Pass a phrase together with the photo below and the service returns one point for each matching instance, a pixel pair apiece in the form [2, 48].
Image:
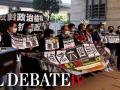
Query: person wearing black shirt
[118, 50]
[6, 37]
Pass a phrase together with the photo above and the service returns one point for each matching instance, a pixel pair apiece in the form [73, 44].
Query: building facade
[96, 11]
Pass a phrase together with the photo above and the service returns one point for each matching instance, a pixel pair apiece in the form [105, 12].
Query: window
[95, 9]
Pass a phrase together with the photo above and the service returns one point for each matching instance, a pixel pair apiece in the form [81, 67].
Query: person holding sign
[111, 46]
[65, 34]
[29, 64]
[118, 50]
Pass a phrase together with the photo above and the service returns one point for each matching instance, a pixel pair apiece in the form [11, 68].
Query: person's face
[111, 28]
[66, 29]
[13, 29]
[102, 27]
[91, 27]
[118, 28]
[83, 27]
[29, 29]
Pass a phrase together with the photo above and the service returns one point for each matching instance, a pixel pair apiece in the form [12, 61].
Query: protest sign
[50, 55]
[51, 43]
[61, 56]
[110, 39]
[69, 43]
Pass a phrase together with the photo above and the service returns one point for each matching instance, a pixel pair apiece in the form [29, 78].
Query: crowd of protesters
[81, 34]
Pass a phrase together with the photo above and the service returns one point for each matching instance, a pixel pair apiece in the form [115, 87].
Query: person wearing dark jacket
[6, 37]
[118, 50]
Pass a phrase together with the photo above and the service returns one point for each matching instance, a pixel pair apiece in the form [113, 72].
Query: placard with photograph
[51, 43]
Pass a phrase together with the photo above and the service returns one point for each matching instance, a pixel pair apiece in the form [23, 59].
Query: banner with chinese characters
[24, 41]
[79, 60]
[36, 19]
[74, 54]
[110, 39]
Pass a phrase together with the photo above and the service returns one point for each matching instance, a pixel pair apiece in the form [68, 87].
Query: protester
[89, 31]
[10, 30]
[65, 34]
[118, 49]
[47, 34]
[118, 30]
[111, 30]
[29, 65]
[97, 33]
[111, 46]
[80, 36]
[72, 27]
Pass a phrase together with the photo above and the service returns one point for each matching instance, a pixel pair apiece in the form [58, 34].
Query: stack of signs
[69, 43]
[51, 43]
[23, 42]
[110, 39]
[50, 55]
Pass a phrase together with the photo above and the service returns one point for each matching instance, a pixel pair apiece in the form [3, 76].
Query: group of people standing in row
[82, 34]
[89, 34]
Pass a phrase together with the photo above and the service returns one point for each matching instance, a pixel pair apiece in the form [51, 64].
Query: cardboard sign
[69, 43]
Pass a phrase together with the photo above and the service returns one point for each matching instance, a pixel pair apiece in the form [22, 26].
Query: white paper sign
[62, 57]
[51, 57]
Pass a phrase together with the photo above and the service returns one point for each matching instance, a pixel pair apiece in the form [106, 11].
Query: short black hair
[71, 25]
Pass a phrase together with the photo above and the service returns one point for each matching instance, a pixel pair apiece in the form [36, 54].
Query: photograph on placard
[34, 41]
